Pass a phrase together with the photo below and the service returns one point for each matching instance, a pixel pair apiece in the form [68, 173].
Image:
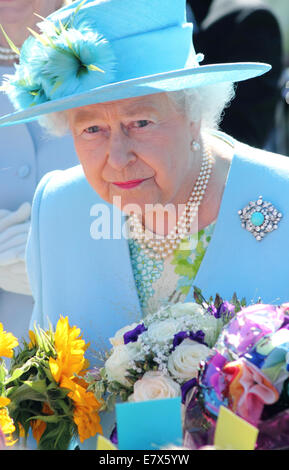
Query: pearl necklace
[7, 54]
[160, 248]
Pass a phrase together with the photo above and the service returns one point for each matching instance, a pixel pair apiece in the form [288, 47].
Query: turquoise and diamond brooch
[260, 218]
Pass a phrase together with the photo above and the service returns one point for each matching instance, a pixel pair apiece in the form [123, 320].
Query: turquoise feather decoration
[59, 62]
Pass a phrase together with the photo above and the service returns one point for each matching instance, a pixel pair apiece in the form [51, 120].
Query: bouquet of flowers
[7, 343]
[247, 372]
[160, 356]
[45, 390]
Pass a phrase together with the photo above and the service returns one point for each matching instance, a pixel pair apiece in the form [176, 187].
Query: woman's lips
[129, 184]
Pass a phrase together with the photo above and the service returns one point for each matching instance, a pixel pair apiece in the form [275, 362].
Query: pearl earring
[195, 146]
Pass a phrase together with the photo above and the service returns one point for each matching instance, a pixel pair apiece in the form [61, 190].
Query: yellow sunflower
[86, 408]
[38, 426]
[33, 341]
[6, 423]
[7, 343]
[70, 349]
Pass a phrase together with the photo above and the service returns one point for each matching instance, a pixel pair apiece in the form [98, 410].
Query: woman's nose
[120, 152]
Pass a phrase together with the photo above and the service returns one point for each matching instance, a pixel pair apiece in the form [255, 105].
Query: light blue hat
[95, 51]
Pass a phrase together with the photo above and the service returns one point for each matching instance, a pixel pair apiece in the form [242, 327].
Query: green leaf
[65, 405]
[23, 393]
[131, 378]
[132, 372]
[110, 402]
[99, 394]
[102, 373]
[57, 437]
[11, 44]
[200, 299]
[45, 339]
[16, 374]
[55, 394]
[65, 433]
[30, 367]
[3, 373]
[39, 386]
[48, 418]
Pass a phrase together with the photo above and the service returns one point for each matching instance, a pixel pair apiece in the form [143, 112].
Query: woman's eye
[92, 129]
[143, 123]
[140, 123]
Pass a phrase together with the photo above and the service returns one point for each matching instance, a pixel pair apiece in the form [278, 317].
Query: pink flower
[249, 390]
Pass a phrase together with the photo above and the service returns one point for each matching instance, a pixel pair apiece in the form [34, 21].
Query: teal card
[149, 425]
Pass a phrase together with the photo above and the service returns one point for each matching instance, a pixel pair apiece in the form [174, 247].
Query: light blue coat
[91, 281]
[26, 154]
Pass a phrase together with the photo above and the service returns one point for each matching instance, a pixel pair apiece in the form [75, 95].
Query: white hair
[206, 103]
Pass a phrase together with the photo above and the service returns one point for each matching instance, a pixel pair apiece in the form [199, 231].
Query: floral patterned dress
[168, 281]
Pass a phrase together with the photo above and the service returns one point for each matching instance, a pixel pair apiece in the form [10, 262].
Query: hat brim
[164, 82]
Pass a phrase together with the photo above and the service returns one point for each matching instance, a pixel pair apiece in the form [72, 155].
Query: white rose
[197, 318]
[118, 337]
[184, 361]
[163, 331]
[187, 308]
[117, 364]
[153, 386]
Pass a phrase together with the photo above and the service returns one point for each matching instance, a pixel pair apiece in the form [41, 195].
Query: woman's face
[22, 11]
[138, 149]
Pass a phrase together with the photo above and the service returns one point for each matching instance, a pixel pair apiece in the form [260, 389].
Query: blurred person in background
[243, 30]
[26, 154]
[281, 136]
[281, 10]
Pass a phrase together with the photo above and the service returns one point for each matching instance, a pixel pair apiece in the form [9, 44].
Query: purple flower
[113, 437]
[285, 323]
[179, 338]
[186, 387]
[226, 310]
[95, 373]
[199, 337]
[132, 335]
[213, 372]
[212, 310]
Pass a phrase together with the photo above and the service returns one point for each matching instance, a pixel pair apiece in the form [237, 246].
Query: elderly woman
[161, 201]
[26, 154]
